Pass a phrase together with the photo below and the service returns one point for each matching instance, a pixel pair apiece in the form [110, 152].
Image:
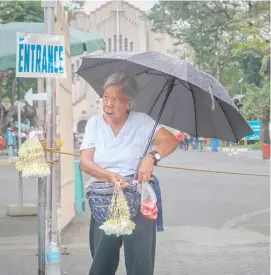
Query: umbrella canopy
[81, 41]
[193, 101]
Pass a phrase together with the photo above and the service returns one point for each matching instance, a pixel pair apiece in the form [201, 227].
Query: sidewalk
[178, 249]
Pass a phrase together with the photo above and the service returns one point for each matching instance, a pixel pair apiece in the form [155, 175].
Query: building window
[125, 44]
[109, 44]
[120, 43]
[73, 75]
[115, 43]
[77, 67]
[77, 64]
[131, 46]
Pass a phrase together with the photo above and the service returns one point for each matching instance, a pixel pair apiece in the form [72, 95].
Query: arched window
[109, 44]
[73, 74]
[131, 46]
[120, 42]
[115, 43]
[77, 64]
[125, 44]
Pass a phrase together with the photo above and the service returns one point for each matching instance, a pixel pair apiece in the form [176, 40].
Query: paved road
[216, 224]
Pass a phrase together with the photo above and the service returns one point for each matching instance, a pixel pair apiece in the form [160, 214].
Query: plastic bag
[148, 207]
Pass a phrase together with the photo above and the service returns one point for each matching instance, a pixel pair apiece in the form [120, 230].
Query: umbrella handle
[169, 90]
[210, 90]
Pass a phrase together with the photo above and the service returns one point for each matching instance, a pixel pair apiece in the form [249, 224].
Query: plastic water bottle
[53, 259]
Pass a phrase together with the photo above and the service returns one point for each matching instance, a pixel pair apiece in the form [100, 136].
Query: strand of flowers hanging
[31, 158]
[119, 220]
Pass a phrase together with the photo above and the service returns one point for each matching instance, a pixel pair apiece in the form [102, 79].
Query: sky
[143, 5]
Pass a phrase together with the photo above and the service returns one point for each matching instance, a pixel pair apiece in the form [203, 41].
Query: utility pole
[41, 192]
[51, 234]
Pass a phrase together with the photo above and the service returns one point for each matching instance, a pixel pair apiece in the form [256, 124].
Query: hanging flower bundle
[31, 158]
[119, 221]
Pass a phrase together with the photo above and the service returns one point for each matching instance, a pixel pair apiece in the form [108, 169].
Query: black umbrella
[172, 92]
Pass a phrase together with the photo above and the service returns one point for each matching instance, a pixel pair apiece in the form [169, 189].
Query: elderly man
[110, 151]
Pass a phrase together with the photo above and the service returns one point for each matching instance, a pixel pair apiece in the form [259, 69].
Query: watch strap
[154, 158]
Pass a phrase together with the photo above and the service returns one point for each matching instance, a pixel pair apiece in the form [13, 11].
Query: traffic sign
[40, 55]
[256, 128]
[30, 97]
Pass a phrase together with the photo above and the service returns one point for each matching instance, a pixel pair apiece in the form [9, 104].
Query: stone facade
[123, 27]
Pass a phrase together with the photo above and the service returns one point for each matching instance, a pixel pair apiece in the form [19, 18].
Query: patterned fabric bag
[99, 195]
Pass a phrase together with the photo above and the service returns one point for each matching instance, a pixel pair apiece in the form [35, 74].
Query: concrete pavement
[215, 224]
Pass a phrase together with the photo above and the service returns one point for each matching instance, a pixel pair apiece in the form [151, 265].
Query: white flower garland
[31, 158]
[119, 221]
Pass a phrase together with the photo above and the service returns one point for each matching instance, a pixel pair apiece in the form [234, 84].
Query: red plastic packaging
[148, 201]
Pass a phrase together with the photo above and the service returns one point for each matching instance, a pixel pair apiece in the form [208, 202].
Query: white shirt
[118, 154]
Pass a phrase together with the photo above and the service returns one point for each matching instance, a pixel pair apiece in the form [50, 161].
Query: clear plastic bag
[148, 206]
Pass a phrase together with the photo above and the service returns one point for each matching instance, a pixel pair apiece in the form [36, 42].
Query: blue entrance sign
[256, 128]
[40, 55]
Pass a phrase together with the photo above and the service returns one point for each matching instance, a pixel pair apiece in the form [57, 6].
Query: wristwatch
[156, 157]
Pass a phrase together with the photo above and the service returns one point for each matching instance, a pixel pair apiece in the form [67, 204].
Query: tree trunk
[265, 135]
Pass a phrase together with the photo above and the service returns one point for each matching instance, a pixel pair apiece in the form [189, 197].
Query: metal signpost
[43, 56]
[19, 126]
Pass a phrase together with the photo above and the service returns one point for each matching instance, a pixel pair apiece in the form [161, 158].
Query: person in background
[196, 144]
[234, 145]
[2, 142]
[10, 140]
[24, 137]
[191, 142]
[180, 137]
[200, 144]
[10, 137]
[186, 141]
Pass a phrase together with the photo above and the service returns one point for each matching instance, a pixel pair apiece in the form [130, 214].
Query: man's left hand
[145, 169]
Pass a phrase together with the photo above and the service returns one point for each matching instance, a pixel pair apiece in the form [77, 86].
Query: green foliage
[231, 40]
[257, 103]
[12, 89]
[250, 65]
[73, 5]
[201, 24]
[21, 11]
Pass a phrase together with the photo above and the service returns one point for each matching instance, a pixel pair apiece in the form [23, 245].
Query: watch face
[157, 156]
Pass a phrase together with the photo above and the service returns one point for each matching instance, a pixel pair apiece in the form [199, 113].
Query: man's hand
[117, 179]
[145, 169]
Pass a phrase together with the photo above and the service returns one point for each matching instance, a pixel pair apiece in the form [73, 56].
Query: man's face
[115, 104]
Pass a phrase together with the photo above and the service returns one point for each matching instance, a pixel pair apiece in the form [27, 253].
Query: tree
[257, 106]
[230, 40]
[255, 51]
[12, 89]
[30, 11]
[201, 24]
[73, 5]
[21, 11]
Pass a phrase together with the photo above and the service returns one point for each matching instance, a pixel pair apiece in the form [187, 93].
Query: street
[215, 224]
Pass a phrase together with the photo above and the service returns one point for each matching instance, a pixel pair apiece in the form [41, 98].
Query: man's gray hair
[128, 85]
